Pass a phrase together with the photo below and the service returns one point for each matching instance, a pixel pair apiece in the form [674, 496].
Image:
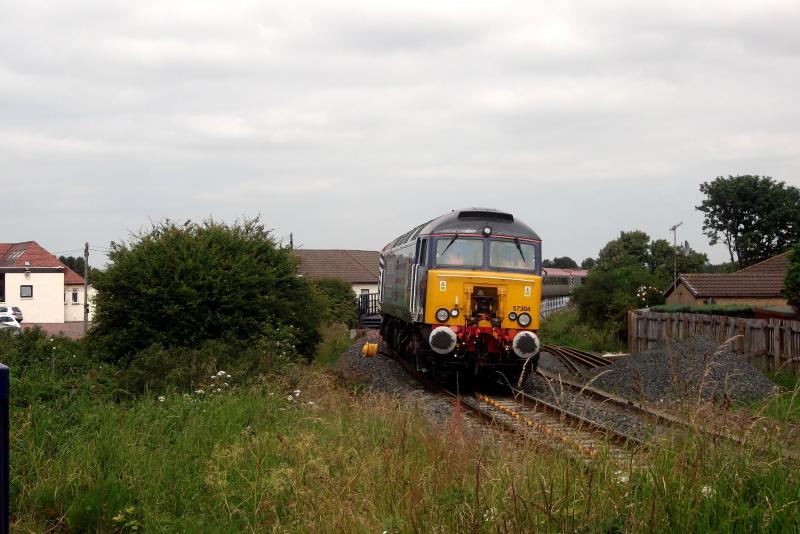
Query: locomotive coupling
[443, 340]
[368, 350]
[526, 344]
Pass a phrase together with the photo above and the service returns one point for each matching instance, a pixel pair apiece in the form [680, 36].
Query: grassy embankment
[566, 328]
[261, 456]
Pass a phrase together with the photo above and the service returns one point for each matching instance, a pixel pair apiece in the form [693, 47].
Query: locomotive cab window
[459, 251]
[507, 254]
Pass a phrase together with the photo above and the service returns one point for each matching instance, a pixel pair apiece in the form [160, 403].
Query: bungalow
[37, 282]
[760, 284]
[359, 268]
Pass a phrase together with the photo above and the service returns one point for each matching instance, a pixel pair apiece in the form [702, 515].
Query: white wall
[74, 311]
[373, 288]
[46, 305]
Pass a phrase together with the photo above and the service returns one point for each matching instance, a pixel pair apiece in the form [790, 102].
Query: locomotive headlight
[487, 230]
[512, 316]
[442, 315]
[454, 312]
[524, 319]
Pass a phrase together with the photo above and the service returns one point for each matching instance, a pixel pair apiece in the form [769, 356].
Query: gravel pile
[606, 414]
[675, 371]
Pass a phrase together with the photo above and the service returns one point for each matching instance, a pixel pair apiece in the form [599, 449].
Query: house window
[26, 292]
[365, 291]
[74, 296]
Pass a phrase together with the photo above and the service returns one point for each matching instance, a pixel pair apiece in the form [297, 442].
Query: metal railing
[368, 304]
[553, 305]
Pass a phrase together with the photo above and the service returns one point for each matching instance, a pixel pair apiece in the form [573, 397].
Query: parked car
[13, 311]
[7, 322]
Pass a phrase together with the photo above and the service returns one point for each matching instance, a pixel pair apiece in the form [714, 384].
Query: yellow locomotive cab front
[498, 298]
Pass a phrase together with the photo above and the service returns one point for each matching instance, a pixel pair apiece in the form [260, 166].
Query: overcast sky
[348, 123]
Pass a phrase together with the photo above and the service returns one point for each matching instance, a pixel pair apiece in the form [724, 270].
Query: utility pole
[674, 230]
[86, 288]
[291, 241]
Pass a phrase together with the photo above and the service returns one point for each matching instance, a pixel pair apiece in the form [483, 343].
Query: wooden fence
[770, 344]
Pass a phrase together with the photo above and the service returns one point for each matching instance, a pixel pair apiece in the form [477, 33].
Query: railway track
[538, 420]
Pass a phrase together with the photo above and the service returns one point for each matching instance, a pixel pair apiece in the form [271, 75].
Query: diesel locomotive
[460, 295]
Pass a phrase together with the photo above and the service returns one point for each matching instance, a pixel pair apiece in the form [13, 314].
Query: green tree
[588, 263]
[663, 254]
[608, 294]
[564, 263]
[630, 248]
[183, 285]
[337, 301]
[792, 283]
[754, 217]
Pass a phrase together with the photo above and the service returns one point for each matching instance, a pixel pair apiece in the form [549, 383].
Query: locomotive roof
[469, 221]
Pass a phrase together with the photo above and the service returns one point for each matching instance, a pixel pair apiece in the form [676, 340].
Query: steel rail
[660, 416]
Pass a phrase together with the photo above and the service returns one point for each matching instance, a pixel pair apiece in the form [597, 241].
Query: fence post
[4, 428]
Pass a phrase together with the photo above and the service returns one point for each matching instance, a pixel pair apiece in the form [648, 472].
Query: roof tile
[353, 266]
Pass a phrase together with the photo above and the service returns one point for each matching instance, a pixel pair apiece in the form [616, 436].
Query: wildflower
[119, 518]
[199, 391]
[129, 509]
[218, 390]
[707, 491]
[213, 377]
[221, 373]
[296, 393]
[622, 478]
[290, 398]
[225, 384]
[161, 398]
[228, 377]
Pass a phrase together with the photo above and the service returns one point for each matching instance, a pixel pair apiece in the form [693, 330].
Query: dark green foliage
[792, 283]
[55, 369]
[755, 217]
[564, 263]
[630, 248]
[608, 294]
[588, 263]
[730, 310]
[337, 301]
[635, 248]
[182, 285]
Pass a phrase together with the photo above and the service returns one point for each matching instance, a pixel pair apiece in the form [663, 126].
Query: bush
[179, 286]
[792, 283]
[337, 301]
[566, 328]
[607, 295]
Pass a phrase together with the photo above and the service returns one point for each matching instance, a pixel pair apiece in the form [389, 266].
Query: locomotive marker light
[442, 315]
[512, 316]
[524, 319]
[454, 312]
[442, 340]
[369, 350]
[526, 344]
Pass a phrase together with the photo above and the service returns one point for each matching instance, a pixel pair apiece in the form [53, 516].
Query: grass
[785, 406]
[253, 460]
[566, 328]
[297, 452]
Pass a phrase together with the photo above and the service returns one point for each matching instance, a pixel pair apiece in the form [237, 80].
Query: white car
[7, 322]
[13, 311]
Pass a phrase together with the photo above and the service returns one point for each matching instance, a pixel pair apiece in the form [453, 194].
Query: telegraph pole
[674, 230]
[85, 287]
[291, 241]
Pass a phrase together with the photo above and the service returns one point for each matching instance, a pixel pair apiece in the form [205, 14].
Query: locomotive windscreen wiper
[450, 243]
[519, 247]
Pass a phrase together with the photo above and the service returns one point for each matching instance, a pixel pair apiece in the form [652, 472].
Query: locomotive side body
[462, 293]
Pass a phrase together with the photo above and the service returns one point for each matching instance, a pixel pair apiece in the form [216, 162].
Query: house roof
[29, 254]
[353, 266]
[760, 280]
[739, 284]
[775, 265]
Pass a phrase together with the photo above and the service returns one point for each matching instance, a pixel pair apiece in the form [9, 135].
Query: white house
[46, 290]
